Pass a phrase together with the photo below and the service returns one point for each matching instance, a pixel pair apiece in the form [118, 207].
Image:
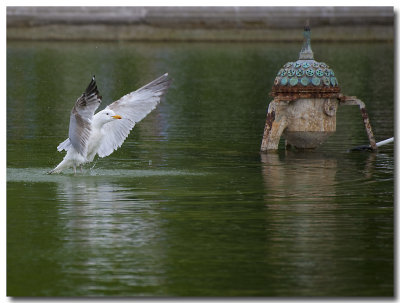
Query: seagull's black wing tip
[92, 87]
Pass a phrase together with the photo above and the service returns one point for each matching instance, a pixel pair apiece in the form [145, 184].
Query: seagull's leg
[74, 170]
[81, 169]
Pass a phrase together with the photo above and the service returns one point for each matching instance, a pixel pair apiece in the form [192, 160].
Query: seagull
[101, 133]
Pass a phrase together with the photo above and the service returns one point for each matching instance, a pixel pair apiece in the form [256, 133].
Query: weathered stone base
[306, 140]
[305, 123]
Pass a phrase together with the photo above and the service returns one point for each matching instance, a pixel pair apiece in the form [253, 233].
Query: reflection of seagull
[105, 131]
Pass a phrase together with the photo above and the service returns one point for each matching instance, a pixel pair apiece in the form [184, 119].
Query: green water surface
[188, 206]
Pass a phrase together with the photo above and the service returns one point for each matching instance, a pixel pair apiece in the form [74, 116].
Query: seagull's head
[108, 115]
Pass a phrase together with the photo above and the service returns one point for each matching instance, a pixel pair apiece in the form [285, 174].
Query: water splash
[35, 175]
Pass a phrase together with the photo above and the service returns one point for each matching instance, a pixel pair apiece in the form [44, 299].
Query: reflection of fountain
[300, 207]
[112, 233]
[322, 227]
[308, 175]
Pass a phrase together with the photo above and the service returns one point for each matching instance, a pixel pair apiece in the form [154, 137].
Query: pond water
[188, 206]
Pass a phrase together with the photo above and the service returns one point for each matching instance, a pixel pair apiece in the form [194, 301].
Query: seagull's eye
[107, 114]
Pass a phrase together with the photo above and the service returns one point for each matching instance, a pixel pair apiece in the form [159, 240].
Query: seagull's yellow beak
[117, 117]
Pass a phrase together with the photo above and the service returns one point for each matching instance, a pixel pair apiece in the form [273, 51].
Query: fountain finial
[306, 52]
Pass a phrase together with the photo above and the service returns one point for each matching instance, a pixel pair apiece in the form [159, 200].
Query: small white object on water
[101, 133]
[387, 141]
[368, 147]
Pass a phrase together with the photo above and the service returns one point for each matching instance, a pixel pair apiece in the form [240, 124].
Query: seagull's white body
[104, 132]
[96, 137]
[73, 158]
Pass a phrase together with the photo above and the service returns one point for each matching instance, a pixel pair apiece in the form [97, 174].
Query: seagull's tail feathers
[71, 159]
[53, 171]
[65, 145]
[59, 168]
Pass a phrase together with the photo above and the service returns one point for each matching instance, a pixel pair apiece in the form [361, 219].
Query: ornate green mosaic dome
[306, 77]
[306, 73]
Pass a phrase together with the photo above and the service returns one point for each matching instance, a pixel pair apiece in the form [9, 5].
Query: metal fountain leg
[351, 100]
[274, 126]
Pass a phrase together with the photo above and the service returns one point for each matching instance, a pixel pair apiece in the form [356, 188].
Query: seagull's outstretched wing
[80, 119]
[132, 108]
